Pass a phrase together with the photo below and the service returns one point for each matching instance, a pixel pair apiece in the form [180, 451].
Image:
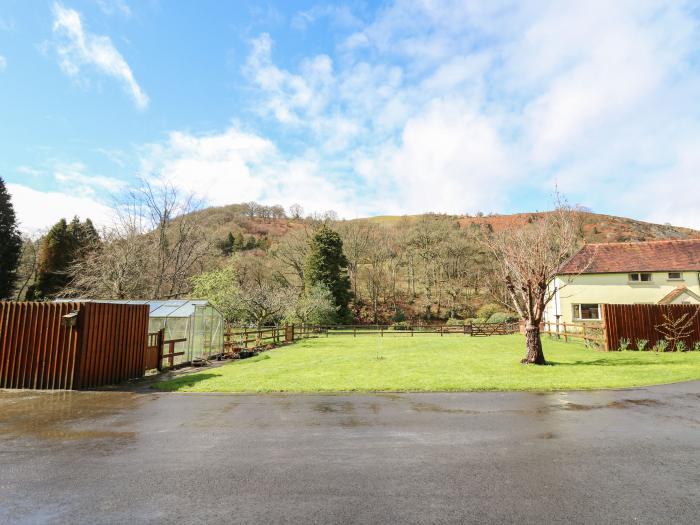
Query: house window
[587, 312]
[640, 277]
[675, 276]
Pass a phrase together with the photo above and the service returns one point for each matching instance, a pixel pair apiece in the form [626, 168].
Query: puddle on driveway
[327, 407]
[64, 416]
[621, 404]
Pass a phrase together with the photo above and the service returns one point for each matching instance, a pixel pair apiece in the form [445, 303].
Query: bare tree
[677, 329]
[296, 212]
[151, 251]
[375, 269]
[262, 296]
[117, 269]
[527, 260]
[28, 264]
[357, 238]
[291, 252]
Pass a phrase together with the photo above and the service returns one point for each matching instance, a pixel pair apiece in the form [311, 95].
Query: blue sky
[362, 107]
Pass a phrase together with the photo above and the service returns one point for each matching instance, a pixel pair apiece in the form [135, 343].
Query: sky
[364, 108]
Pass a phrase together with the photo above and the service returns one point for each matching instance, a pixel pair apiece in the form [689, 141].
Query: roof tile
[651, 256]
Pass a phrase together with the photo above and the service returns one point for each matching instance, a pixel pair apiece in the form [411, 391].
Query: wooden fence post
[606, 346]
[160, 342]
[566, 339]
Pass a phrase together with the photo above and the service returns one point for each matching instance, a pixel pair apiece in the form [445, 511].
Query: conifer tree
[60, 248]
[327, 265]
[10, 244]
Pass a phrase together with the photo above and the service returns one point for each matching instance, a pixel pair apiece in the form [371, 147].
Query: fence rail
[242, 337]
[471, 329]
[592, 334]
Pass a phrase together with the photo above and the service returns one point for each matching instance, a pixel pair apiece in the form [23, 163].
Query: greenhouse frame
[195, 320]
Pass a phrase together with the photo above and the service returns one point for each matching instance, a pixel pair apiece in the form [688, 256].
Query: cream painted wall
[615, 288]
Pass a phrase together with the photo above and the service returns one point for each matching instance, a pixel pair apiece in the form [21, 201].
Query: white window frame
[577, 306]
[679, 278]
[639, 279]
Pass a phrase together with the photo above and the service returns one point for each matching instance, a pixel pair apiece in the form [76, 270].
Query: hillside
[235, 218]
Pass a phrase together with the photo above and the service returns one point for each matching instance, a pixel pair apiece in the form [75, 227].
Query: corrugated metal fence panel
[107, 345]
[640, 321]
[36, 351]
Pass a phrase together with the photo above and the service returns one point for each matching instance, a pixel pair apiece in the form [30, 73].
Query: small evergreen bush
[502, 317]
[401, 325]
[486, 311]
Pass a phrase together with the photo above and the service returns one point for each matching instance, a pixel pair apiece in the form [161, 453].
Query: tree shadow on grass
[180, 383]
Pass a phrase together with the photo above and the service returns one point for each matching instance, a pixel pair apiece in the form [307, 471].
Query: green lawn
[433, 363]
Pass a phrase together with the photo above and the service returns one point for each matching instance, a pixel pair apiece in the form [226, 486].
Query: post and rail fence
[591, 334]
[243, 338]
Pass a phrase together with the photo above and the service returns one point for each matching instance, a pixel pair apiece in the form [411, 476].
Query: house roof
[624, 257]
[676, 293]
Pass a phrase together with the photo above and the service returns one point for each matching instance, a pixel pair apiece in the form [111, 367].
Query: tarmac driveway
[124, 457]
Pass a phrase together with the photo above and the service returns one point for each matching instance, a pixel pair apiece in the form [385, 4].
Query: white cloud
[76, 48]
[450, 105]
[73, 175]
[26, 170]
[237, 166]
[450, 158]
[111, 7]
[340, 15]
[36, 210]
[3, 63]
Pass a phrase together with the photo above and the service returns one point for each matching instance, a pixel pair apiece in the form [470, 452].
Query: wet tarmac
[630, 456]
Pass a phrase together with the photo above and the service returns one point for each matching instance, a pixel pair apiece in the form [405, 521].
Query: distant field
[434, 363]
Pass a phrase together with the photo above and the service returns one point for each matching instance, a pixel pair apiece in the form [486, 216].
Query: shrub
[502, 317]
[681, 346]
[455, 322]
[401, 325]
[624, 343]
[696, 346]
[660, 346]
[399, 315]
[641, 344]
[486, 311]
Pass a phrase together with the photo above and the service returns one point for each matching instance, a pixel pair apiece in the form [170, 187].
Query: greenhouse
[197, 321]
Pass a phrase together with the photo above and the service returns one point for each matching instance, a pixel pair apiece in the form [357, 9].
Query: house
[655, 272]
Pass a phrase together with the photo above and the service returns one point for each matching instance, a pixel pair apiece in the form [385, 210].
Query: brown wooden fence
[71, 345]
[590, 333]
[641, 321]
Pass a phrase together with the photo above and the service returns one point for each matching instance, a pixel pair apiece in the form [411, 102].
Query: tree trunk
[533, 342]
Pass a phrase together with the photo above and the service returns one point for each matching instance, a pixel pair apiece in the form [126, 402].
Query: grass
[434, 363]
